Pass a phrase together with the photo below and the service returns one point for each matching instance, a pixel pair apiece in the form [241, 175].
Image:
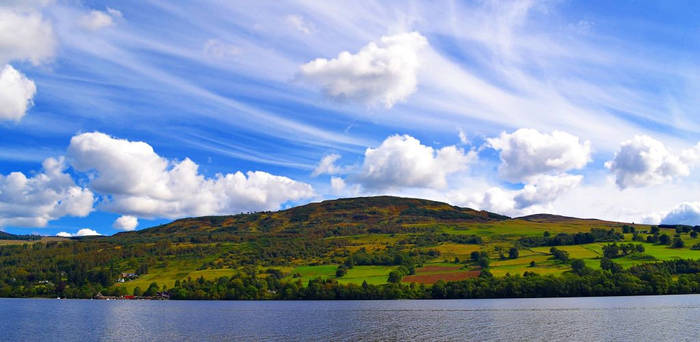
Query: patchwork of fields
[363, 240]
[453, 262]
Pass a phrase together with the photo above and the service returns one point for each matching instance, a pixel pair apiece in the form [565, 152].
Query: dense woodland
[261, 251]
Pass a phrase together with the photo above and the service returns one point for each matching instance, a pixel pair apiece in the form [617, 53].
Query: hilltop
[348, 216]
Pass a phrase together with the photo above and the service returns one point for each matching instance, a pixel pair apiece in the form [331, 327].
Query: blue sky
[154, 110]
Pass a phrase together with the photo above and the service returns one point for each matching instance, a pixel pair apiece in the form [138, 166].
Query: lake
[650, 318]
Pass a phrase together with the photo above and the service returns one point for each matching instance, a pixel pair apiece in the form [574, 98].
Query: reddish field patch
[427, 269]
[432, 278]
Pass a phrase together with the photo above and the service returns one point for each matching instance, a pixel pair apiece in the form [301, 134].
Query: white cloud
[545, 189]
[327, 165]
[645, 161]
[87, 232]
[383, 72]
[126, 223]
[402, 161]
[493, 199]
[97, 20]
[462, 137]
[34, 201]
[337, 185]
[536, 196]
[80, 233]
[139, 182]
[298, 23]
[685, 213]
[526, 153]
[25, 35]
[16, 94]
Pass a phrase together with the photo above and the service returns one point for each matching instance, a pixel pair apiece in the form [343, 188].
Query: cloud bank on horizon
[119, 116]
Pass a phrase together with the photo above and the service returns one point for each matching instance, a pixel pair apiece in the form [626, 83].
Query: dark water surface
[649, 318]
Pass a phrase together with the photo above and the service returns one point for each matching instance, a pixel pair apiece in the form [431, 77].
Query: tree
[609, 265]
[559, 254]
[475, 256]
[611, 251]
[484, 262]
[693, 234]
[395, 277]
[513, 253]
[532, 263]
[143, 269]
[341, 271]
[152, 290]
[677, 243]
[137, 291]
[664, 239]
[578, 266]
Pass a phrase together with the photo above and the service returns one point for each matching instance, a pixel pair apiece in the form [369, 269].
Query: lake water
[649, 318]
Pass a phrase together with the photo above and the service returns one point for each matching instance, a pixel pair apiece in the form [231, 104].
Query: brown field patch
[432, 278]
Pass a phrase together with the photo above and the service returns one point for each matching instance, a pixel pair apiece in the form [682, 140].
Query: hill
[369, 245]
[349, 216]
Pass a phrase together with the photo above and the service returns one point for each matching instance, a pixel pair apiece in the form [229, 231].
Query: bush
[677, 243]
[513, 253]
[341, 271]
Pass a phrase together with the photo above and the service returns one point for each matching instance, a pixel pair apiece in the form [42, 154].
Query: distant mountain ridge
[550, 218]
[8, 236]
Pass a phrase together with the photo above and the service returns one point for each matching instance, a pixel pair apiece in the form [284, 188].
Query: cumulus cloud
[402, 161]
[644, 161]
[96, 20]
[25, 35]
[493, 199]
[80, 233]
[299, 23]
[16, 94]
[126, 223]
[526, 153]
[327, 166]
[382, 72]
[139, 182]
[685, 213]
[34, 201]
[537, 195]
[545, 189]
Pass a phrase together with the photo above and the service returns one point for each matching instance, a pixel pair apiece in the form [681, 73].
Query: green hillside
[372, 243]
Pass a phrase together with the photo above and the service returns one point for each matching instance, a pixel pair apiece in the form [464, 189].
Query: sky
[121, 115]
